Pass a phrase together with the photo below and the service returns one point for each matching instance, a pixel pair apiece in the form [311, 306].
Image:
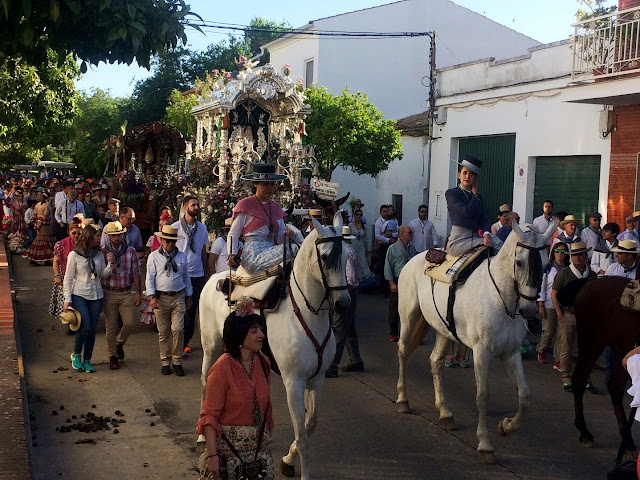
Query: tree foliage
[595, 8]
[179, 113]
[99, 116]
[93, 30]
[37, 106]
[350, 132]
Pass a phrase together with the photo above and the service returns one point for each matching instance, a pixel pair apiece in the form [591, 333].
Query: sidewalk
[14, 453]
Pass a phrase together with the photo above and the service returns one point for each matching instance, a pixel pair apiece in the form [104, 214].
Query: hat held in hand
[71, 317]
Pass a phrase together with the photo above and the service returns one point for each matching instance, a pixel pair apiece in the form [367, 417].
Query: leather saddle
[266, 288]
[456, 269]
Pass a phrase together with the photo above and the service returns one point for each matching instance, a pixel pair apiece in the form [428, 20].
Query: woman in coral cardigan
[237, 399]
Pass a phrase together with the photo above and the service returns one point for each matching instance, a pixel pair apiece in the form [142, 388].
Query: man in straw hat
[467, 211]
[316, 213]
[260, 221]
[117, 292]
[344, 324]
[569, 227]
[632, 224]
[193, 240]
[169, 286]
[566, 315]
[627, 255]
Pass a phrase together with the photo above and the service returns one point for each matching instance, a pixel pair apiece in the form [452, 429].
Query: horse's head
[329, 263]
[529, 252]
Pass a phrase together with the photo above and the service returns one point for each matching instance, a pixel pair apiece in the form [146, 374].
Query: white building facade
[394, 74]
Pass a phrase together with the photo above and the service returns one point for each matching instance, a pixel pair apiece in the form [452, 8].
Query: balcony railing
[607, 46]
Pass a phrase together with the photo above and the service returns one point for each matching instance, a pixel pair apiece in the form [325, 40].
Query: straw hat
[168, 233]
[87, 221]
[72, 318]
[111, 201]
[115, 228]
[635, 215]
[578, 247]
[228, 222]
[318, 213]
[346, 233]
[568, 219]
[626, 246]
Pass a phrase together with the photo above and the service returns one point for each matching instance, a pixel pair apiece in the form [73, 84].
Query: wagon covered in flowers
[245, 118]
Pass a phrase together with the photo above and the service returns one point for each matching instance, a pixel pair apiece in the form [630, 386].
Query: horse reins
[516, 288]
[327, 290]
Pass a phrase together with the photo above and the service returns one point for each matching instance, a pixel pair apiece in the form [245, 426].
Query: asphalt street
[360, 435]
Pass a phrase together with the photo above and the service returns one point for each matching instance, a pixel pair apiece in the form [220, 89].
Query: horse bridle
[516, 288]
[327, 288]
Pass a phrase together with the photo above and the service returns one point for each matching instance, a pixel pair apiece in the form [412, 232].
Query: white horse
[318, 281]
[484, 311]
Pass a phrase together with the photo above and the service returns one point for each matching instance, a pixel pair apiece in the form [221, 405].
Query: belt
[170, 294]
[117, 289]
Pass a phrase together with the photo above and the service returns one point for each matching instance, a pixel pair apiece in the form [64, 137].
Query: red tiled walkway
[14, 454]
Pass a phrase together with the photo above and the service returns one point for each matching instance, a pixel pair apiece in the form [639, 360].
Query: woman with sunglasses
[559, 260]
[61, 251]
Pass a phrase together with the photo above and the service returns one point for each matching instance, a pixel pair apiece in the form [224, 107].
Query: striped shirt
[122, 276]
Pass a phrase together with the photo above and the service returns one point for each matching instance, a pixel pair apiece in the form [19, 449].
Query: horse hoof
[403, 407]
[287, 470]
[201, 444]
[503, 427]
[447, 423]
[587, 442]
[487, 458]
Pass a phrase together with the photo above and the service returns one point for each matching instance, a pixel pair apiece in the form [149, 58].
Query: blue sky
[544, 20]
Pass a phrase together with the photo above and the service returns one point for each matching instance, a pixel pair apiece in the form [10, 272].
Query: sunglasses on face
[170, 241]
[558, 250]
[422, 211]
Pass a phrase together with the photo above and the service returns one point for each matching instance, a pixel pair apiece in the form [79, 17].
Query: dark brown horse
[600, 322]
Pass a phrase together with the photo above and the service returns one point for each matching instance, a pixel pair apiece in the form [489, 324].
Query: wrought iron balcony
[607, 46]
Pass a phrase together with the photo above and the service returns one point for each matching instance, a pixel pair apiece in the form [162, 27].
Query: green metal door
[497, 153]
[571, 183]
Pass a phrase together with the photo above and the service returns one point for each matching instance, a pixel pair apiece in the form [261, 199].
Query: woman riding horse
[467, 212]
[260, 221]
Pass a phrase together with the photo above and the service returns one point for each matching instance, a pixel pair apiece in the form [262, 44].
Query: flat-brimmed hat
[318, 213]
[87, 221]
[264, 172]
[71, 317]
[358, 202]
[578, 247]
[168, 233]
[472, 163]
[228, 222]
[568, 219]
[635, 215]
[115, 228]
[626, 246]
[346, 233]
[111, 201]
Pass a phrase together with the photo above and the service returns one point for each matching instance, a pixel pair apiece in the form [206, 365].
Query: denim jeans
[31, 236]
[86, 334]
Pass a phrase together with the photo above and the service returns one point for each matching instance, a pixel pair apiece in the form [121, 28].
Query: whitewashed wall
[536, 111]
[392, 72]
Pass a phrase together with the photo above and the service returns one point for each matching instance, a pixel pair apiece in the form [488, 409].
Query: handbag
[255, 469]
[435, 255]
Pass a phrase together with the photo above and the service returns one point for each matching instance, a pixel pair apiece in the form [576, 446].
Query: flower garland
[219, 202]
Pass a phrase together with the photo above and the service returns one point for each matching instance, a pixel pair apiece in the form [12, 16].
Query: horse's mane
[533, 269]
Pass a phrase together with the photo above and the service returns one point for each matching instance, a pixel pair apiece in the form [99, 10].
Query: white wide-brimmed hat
[346, 233]
[472, 163]
[626, 246]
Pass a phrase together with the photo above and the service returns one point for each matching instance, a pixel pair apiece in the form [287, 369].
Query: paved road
[359, 436]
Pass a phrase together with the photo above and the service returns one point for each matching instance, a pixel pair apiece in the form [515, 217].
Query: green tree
[595, 8]
[179, 113]
[350, 132]
[92, 30]
[99, 116]
[37, 106]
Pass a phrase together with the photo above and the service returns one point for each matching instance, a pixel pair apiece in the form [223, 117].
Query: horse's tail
[420, 329]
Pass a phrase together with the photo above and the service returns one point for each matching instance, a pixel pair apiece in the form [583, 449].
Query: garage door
[572, 183]
[497, 153]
